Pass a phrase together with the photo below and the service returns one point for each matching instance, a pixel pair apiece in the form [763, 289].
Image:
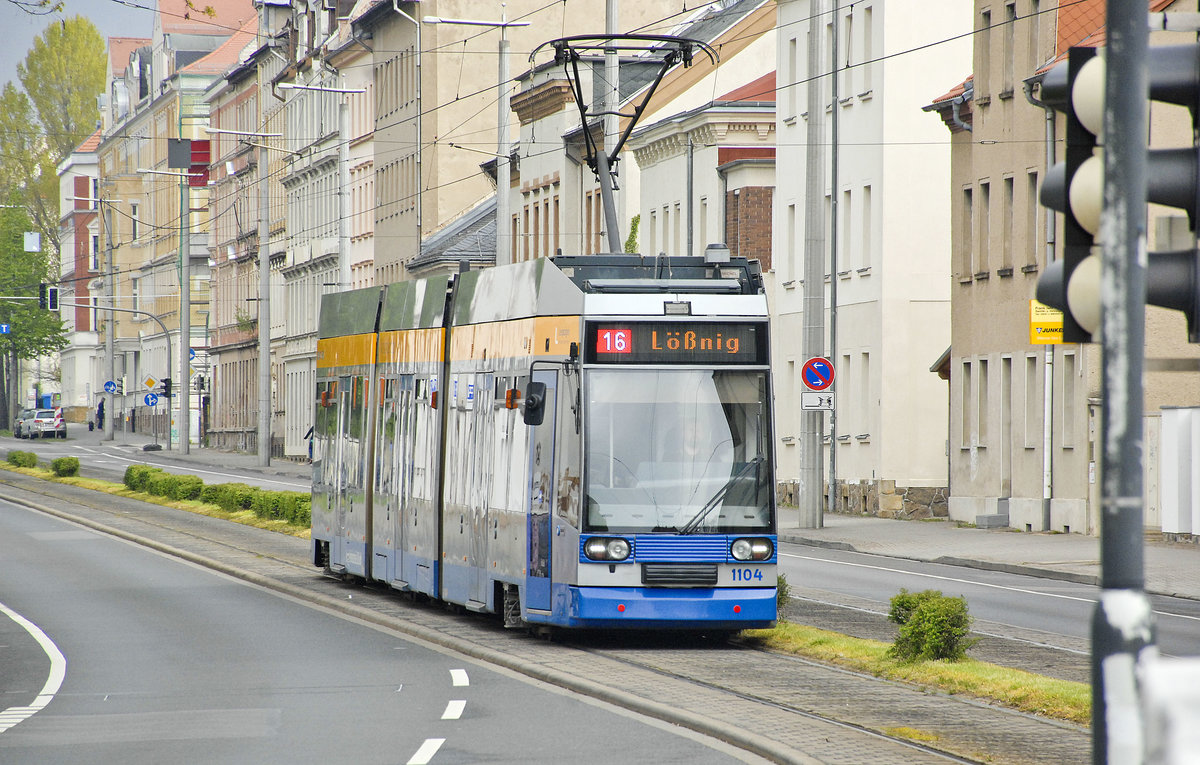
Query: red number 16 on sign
[614, 341]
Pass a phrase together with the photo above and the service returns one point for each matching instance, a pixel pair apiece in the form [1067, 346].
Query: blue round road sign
[110, 387]
[151, 399]
[817, 373]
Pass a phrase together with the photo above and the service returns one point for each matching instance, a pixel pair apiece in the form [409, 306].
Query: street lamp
[264, 295]
[503, 147]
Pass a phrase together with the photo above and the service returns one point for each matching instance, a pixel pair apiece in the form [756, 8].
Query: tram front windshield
[686, 451]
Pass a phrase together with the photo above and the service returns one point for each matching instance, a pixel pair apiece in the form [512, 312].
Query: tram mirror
[535, 403]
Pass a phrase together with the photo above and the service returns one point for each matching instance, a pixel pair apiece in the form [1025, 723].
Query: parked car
[48, 423]
[24, 423]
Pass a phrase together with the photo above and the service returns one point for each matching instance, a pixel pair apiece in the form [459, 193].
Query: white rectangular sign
[810, 400]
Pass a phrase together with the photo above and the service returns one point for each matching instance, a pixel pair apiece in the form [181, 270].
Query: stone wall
[883, 499]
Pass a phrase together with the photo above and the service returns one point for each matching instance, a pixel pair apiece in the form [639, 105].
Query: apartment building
[893, 245]
[1024, 418]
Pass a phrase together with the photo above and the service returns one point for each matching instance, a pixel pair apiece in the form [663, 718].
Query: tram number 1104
[747, 575]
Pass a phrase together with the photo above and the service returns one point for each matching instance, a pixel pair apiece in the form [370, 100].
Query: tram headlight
[751, 548]
[606, 548]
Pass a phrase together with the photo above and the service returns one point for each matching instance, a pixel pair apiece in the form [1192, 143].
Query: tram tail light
[607, 548]
[751, 548]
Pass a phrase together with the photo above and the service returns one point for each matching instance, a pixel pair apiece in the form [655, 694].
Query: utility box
[1180, 470]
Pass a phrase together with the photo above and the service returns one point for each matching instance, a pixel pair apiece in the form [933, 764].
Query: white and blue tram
[579, 442]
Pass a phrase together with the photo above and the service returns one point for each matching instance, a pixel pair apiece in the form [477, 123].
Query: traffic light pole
[1122, 623]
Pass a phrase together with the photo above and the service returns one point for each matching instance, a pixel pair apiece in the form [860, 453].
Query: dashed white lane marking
[458, 678]
[454, 709]
[427, 751]
[58, 671]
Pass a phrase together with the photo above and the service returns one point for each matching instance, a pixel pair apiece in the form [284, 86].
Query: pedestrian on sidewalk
[100, 414]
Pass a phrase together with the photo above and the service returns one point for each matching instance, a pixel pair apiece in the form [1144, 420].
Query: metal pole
[185, 323]
[110, 412]
[833, 252]
[503, 149]
[1122, 623]
[343, 192]
[264, 312]
[612, 129]
[813, 338]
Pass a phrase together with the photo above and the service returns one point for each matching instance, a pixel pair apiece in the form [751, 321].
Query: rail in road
[782, 708]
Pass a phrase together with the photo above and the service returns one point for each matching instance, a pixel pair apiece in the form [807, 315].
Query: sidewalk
[1171, 568]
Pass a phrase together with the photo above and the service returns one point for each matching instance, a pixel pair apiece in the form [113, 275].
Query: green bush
[162, 484]
[188, 487]
[65, 466]
[932, 626]
[22, 459]
[136, 476]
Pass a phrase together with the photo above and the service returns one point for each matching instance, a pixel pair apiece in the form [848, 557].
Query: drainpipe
[1048, 366]
[956, 107]
[420, 119]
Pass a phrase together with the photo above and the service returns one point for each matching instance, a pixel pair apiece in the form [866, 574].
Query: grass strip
[1014, 688]
[245, 517]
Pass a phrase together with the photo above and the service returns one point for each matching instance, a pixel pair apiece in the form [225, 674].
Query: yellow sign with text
[1045, 324]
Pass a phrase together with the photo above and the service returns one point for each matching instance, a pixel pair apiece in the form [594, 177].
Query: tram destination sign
[675, 342]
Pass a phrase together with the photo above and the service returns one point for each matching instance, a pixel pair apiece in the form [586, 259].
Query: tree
[62, 75]
[33, 331]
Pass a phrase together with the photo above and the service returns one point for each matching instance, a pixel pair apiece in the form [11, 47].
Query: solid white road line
[58, 671]
[956, 580]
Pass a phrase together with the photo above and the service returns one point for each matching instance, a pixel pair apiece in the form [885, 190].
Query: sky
[127, 18]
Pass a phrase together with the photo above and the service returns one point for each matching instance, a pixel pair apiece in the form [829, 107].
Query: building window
[1033, 408]
[1008, 224]
[865, 239]
[1010, 44]
[1033, 218]
[868, 51]
[1068, 403]
[964, 413]
[982, 424]
[790, 244]
[984, 50]
[984, 228]
[966, 237]
[133, 221]
[94, 263]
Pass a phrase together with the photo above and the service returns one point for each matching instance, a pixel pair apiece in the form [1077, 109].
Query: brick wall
[748, 223]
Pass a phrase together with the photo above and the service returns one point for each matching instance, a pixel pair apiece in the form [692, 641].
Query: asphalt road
[1054, 612]
[163, 661]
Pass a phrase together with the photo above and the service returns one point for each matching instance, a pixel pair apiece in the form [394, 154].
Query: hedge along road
[108, 459]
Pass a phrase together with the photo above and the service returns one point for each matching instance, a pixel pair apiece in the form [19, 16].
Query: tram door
[541, 498]
[337, 551]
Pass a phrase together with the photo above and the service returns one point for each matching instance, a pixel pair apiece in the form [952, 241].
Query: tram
[577, 442]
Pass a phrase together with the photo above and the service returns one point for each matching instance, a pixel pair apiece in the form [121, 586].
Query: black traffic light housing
[42, 296]
[1058, 89]
[166, 387]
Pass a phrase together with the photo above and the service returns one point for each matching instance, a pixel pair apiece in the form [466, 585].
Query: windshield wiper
[716, 499]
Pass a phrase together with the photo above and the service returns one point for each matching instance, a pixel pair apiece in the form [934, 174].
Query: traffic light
[1172, 179]
[166, 387]
[1074, 187]
[42, 296]
[52, 298]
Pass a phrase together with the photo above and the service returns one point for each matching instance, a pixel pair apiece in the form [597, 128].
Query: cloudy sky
[127, 18]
